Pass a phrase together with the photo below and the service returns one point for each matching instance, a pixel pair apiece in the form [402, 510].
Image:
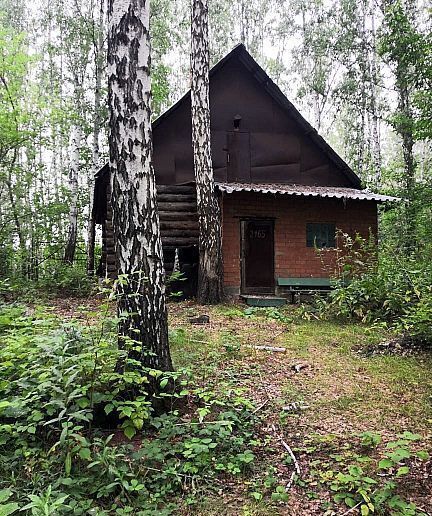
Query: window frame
[330, 237]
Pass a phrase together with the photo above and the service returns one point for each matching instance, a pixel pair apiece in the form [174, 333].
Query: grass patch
[241, 467]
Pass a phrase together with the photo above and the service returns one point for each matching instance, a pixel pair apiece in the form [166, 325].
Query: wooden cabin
[283, 190]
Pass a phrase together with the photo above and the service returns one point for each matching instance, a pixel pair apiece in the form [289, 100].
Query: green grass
[376, 391]
[346, 392]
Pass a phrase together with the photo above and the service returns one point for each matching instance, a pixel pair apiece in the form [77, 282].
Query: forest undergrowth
[80, 437]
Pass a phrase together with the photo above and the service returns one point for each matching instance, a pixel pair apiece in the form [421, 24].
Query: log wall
[178, 223]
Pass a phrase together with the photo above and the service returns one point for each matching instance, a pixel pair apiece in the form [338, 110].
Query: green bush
[395, 290]
[366, 475]
[61, 398]
[66, 280]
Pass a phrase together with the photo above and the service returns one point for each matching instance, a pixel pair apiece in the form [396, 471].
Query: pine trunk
[76, 138]
[141, 292]
[210, 273]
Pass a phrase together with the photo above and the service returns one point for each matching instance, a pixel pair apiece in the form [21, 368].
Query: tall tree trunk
[15, 213]
[76, 138]
[364, 77]
[15, 208]
[210, 273]
[376, 144]
[141, 303]
[98, 44]
[400, 18]
[406, 133]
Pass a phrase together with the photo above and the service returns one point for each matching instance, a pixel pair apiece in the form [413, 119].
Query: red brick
[292, 257]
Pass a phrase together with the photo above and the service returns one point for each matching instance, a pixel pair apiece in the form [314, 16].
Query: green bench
[298, 286]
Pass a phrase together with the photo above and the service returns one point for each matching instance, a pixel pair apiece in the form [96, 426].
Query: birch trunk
[364, 76]
[376, 144]
[141, 293]
[405, 131]
[210, 273]
[15, 210]
[76, 139]
[99, 65]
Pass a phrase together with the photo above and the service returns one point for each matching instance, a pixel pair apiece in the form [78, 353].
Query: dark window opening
[320, 235]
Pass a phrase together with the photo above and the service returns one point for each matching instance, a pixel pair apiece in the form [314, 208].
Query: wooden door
[238, 157]
[257, 249]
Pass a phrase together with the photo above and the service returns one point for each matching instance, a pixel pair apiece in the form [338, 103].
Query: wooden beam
[179, 241]
[176, 198]
[177, 215]
[178, 224]
[176, 189]
[177, 206]
[180, 232]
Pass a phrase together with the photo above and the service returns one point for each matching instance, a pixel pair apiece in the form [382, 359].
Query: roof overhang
[306, 191]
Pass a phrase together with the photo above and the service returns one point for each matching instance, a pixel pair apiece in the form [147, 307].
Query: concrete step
[264, 301]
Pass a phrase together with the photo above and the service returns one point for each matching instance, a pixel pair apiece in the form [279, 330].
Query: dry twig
[297, 469]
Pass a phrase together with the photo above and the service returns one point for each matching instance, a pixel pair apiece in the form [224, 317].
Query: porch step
[264, 300]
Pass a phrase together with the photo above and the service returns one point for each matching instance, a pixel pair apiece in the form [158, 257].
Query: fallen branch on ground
[293, 457]
[279, 436]
[261, 406]
[268, 348]
[295, 405]
[352, 509]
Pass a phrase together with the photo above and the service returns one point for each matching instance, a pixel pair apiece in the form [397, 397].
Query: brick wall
[291, 214]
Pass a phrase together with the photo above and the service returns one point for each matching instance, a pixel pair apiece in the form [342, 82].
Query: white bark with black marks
[210, 274]
[141, 303]
[75, 147]
[376, 141]
[98, 49]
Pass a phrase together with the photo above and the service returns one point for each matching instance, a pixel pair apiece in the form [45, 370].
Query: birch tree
[375, 121]
[75, 147]
[400, 47]
[98, 51]
[210, 272]
[141, 304]
[77, 42]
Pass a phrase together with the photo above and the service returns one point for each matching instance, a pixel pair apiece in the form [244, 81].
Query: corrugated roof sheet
[334, 192]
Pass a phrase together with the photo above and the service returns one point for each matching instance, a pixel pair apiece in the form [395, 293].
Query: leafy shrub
[67, 280]
[396, 290]
[272, 313]
[60, 390]
[366, 477]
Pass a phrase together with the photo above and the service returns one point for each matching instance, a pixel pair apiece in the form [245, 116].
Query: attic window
[320, 235]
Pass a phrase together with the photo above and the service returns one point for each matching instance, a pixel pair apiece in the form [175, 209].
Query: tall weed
[389, 287]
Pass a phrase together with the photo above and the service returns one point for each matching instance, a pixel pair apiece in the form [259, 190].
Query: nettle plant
[394, 290]
[371, 478]
[62, 395]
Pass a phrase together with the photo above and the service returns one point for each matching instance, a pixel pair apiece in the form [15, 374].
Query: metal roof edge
[300, 191]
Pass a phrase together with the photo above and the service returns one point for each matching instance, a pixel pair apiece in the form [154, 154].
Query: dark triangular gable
[274, 144]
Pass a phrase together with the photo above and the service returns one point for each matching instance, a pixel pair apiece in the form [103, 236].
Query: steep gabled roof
[274, 91]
